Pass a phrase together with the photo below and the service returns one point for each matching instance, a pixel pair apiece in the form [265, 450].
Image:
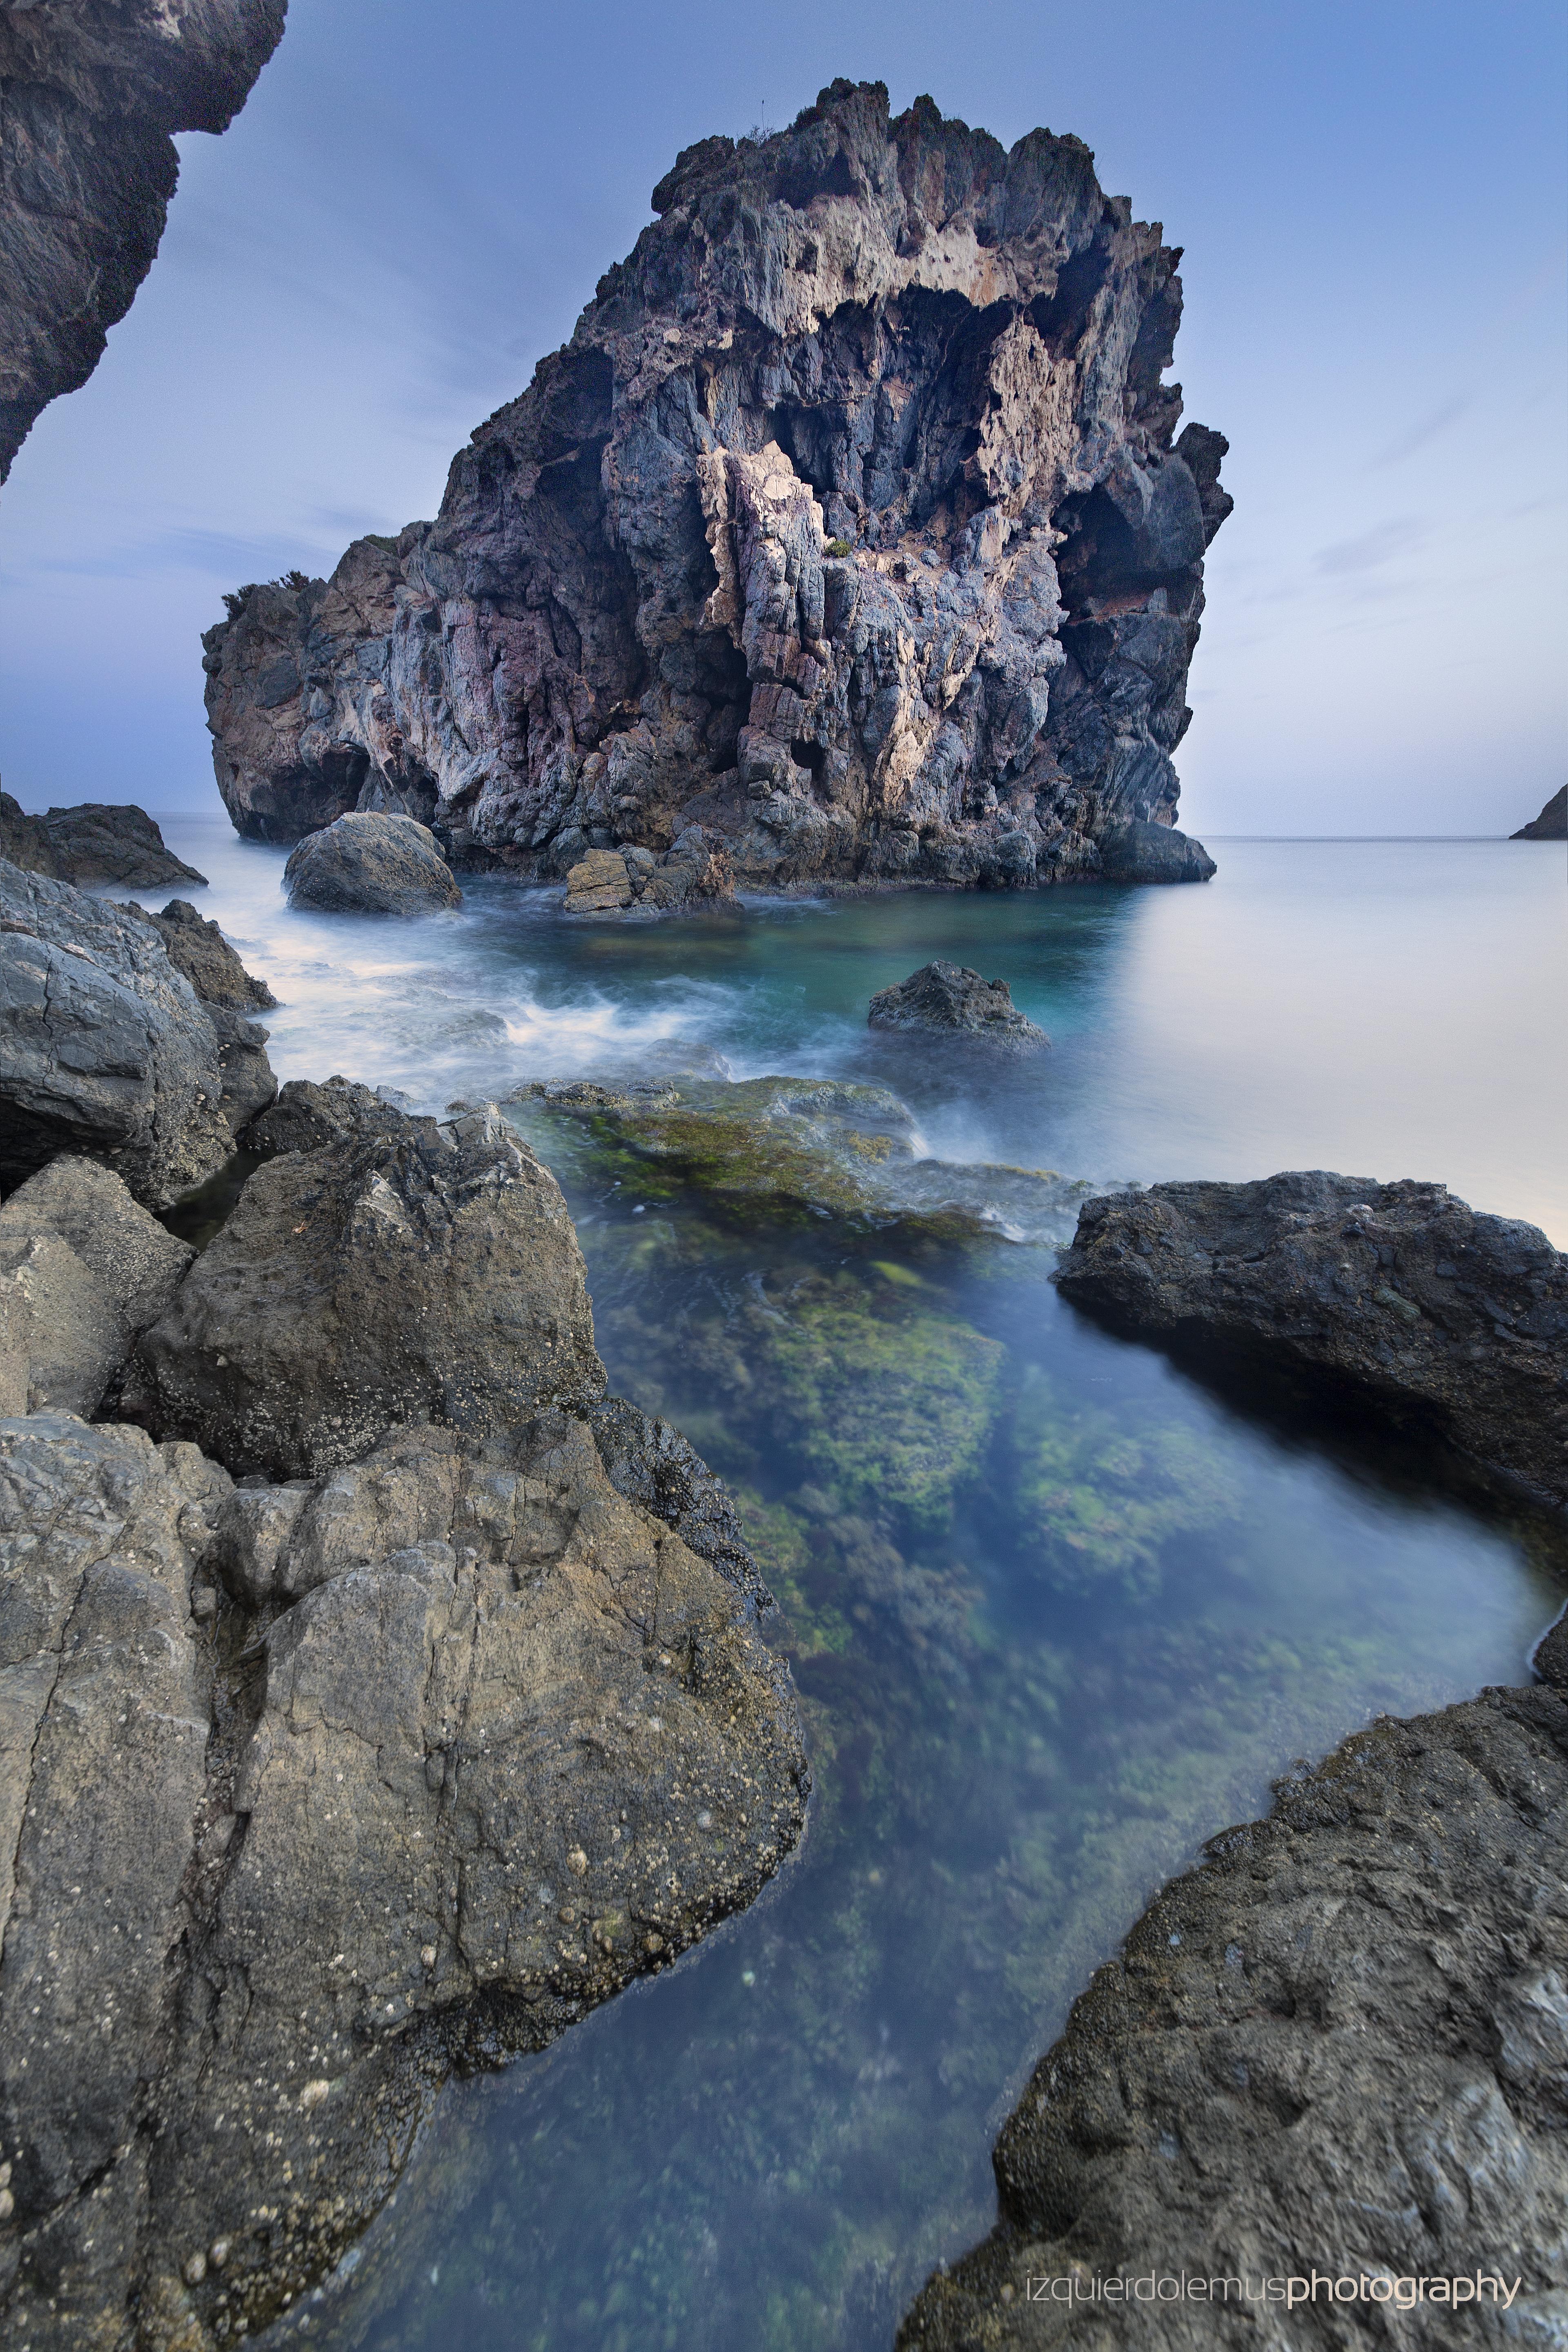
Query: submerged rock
[1552, 824]
[418, 1273]
[949, 996]
[90, 96]
[475, 1741]
[1338, 2048]
[104, 1049]
[372, 864]
[794, 1149]
[852, 525]
[1395, 1297]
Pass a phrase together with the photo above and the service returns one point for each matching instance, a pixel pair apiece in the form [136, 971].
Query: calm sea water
[1056, 1613]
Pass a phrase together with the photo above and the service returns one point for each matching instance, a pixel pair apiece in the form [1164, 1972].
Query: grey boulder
[951, 997]
[370, 864]
[1337, 2047]
[422, 1272]
[495, 1743]
[104, 1049]
[83, 1269]
[1395, 1298]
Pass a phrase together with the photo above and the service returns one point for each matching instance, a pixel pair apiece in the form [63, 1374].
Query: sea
[1057, 1612]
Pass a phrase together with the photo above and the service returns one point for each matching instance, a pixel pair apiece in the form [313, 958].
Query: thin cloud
[1427, 430]
[1383, 543]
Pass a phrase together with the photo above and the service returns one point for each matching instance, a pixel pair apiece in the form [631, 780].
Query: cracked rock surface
[89, 92]
[415, 1273]
[1396, 1298]
[852, 525]
[308, 1794]
[1340, 2045]
[105, 1050]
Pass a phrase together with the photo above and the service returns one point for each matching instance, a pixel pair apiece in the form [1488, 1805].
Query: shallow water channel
[1056, 1612]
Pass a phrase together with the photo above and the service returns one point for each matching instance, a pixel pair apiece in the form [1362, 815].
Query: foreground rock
[695, 872]
[852, 525]
[456, 1747]
[1393, 1297]
[949, 996]
[105, 1051]
[1337, 2048]
[91, 95]
[1552, 824]
[83, 1269]
[372, 864]
[418, 1273]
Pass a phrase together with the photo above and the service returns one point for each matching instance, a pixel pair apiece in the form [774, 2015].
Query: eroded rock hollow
[852, 525]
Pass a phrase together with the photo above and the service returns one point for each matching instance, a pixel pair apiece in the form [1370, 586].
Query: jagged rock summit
[852, 525]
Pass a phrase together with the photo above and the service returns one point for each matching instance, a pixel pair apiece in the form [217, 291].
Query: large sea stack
[852, 525]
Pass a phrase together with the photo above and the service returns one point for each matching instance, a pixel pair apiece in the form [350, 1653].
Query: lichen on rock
[851, 526]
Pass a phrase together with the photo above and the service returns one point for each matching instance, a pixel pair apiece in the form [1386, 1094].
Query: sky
[416, 202]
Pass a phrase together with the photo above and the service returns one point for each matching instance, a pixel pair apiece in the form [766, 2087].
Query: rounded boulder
[369, 864]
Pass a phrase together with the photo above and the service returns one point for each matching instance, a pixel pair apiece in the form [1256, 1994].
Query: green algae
[1053, 1620]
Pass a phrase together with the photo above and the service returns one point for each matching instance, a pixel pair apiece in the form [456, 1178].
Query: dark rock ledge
[1341, 2046]
[419, 1713]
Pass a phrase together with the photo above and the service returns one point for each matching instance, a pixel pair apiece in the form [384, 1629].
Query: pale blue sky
[417, 201]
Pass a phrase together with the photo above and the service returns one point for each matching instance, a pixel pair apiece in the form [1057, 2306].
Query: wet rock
[90, 96]
[1552, 824]
[1337, 2047]
[200, 951]
[1396, 1298]
[495, 1742]
[372, 864]
[949, 996]
[852, 525]
[305, 1115]
[1153, 853]
[100, 842]
[104, 1049]
[599, 884]
[416, 1273]
[651, 1462]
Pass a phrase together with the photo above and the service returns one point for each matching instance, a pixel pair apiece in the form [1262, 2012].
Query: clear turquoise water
[1057, 1615]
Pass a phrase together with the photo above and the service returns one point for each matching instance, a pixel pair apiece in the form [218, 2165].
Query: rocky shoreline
[412, 1711]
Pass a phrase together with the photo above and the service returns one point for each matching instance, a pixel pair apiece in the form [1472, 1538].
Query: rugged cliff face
[89, 92]
[850, 525]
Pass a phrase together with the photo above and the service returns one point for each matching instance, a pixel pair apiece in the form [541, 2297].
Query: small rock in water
[949, 996]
